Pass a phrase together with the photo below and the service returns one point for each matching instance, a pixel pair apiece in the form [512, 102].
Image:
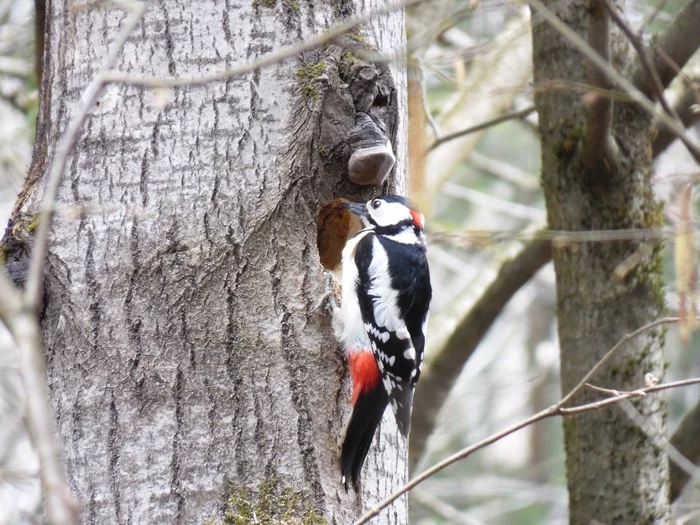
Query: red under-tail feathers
[365, 374]
[369, 400]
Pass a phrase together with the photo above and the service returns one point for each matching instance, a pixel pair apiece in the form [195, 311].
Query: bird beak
[358, 208]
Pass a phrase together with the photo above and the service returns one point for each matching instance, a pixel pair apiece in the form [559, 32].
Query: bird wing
[390, 338]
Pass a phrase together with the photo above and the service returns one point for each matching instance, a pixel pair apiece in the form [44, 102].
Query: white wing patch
[387, 384]
[386, 311]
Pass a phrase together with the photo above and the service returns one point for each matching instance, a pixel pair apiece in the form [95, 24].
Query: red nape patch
[417, 218]
[365, 374]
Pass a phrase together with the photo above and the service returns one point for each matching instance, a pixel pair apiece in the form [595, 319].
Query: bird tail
[401, 404]
[366, 416]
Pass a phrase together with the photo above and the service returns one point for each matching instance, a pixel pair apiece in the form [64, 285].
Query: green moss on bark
[308, 75]
[272, 504]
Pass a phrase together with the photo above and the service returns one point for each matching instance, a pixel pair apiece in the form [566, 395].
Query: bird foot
[329, 299]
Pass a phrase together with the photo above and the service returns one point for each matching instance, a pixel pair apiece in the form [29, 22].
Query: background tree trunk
[184, 363]
[615, 474]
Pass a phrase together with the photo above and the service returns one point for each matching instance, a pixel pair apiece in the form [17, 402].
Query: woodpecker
[381, 321]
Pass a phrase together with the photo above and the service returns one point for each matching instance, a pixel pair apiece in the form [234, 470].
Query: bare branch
[434, 126]
[265, 60]
[637, 96]
[60, 506]
[657, 89]
[63, 150]
[557, 409]
[612, 351]
[625, 395]
[514, 209]
[484, 125]
[652, 16]
[600, 149]
[679, 42]
[505, 171]
[446, 364]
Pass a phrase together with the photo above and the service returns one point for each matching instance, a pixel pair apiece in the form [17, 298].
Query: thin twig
[652, 16]
[61, 508]
[674, 125]
[434, 126]
[514, 209]
[265, 60]
[558, 237]
[648, 67]
[473, 129]
[625, 395]
[60, 505]
[35, 279]
[557, 409]
[612, 351]
[505, 171]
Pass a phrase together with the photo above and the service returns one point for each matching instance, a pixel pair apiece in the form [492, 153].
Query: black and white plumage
[382, 320]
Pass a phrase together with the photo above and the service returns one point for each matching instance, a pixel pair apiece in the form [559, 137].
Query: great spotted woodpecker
[382, 319]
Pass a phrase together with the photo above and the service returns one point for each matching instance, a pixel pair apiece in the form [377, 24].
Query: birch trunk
[184, 363]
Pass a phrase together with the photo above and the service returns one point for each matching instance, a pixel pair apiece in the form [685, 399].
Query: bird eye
[376, 203]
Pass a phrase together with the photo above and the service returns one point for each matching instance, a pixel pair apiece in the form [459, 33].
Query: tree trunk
[615, 473]
[185, 365]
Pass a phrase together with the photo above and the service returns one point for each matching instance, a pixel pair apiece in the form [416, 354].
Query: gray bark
[615, 473]
[183, 360]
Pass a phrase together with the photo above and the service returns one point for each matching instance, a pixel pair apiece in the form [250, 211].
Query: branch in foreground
[32, 295]
[266, 60]
[557, 409]
[438, 379]
[678, 43]
[61, 508]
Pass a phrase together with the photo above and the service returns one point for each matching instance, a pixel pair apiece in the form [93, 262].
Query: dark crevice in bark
[133, 323]
[143, 182]
[113, 450]
[168, 39]
[93, 287]
[175, 465]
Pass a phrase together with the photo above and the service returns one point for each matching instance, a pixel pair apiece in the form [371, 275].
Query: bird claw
[327, 301]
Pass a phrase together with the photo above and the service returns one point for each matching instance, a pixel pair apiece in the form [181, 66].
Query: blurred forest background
[475, 63]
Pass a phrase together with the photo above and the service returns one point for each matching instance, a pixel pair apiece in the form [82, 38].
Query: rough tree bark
[615, 473]
[184, 363]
